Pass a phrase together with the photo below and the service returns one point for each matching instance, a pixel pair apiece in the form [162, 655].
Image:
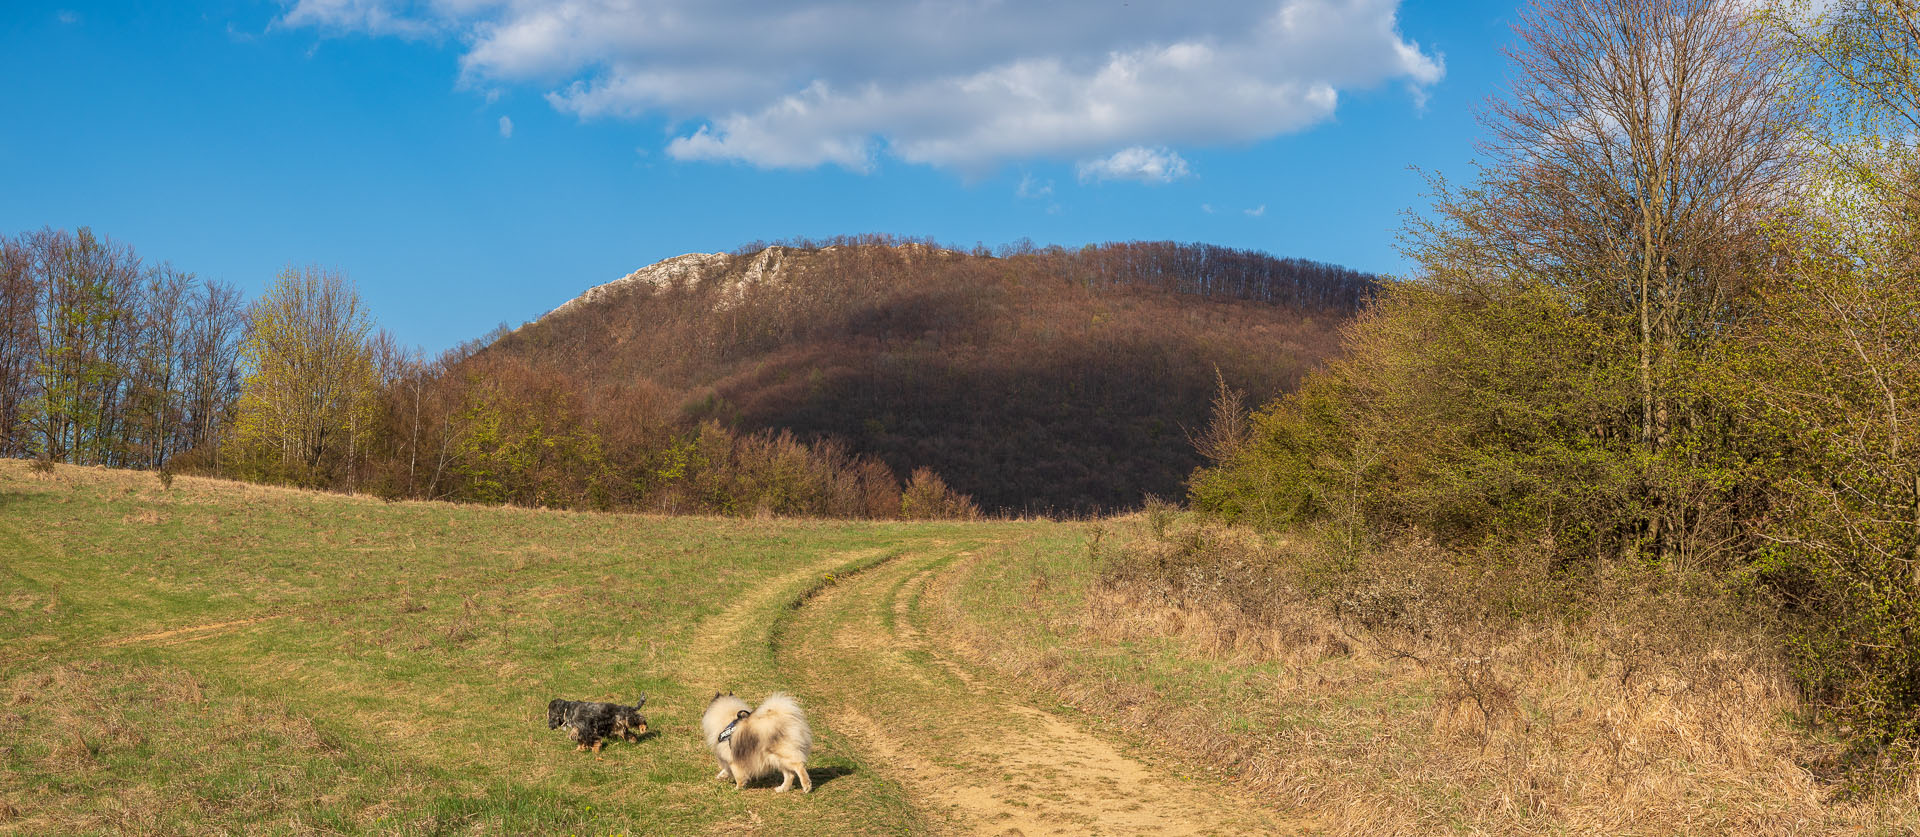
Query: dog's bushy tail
[782, 712]
[641, 702]
[781, 703]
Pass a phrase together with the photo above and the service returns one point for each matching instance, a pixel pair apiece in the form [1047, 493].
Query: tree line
[849, 377]
[1673, 320]
[105, 360]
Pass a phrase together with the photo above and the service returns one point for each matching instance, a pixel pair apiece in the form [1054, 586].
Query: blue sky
[235, 138]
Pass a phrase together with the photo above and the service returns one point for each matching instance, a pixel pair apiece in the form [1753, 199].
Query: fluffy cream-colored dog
[750, 743]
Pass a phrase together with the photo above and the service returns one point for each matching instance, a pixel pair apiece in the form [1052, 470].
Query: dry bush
[1424, 692]
[927, 497]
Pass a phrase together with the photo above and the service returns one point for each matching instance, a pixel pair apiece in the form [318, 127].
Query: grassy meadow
[220, 657]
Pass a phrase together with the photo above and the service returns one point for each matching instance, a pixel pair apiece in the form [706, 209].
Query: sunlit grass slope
[216, 657]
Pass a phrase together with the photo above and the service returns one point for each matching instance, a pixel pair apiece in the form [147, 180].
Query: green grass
[387, 666]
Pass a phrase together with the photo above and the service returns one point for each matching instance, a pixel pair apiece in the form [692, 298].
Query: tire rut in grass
[977, 759]
[734, 640]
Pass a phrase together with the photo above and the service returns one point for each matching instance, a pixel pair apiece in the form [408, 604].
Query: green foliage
[1833, 370]
[1746, 401]
[509, 455]
[307, 400]
[1469, 417]
[1271, 480]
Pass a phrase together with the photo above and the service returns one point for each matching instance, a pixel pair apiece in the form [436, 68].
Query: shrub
[927, 497]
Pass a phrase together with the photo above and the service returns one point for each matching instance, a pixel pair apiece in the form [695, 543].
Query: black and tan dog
[588, 722]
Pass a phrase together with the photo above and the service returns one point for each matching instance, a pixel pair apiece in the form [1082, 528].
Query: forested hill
[1034, 379]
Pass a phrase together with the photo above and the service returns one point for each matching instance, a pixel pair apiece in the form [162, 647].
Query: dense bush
[1719, 380]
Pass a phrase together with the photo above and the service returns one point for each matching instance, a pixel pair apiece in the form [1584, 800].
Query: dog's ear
[716, 696]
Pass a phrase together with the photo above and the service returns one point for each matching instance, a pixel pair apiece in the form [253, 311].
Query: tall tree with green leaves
[89, 297]
[309, 390]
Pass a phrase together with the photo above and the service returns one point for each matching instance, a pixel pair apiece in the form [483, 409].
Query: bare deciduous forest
[861, 377]
[1041, 380]
[106, 361]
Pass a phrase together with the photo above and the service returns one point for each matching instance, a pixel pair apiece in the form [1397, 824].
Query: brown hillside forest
[796, 379]
[1656, 371]
[1037, 380]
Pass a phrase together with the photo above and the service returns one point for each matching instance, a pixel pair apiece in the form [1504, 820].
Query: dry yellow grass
[1387, 701]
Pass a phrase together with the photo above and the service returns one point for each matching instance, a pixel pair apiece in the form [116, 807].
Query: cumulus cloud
[1147, 165]
[963, 84]
[1256, 211]
[506, 128]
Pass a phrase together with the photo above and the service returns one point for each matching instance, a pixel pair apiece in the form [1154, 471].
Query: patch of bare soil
[186, 634]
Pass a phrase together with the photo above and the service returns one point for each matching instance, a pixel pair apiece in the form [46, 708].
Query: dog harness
[727, 734]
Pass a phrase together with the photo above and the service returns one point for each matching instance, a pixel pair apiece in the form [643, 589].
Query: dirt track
[975, 754]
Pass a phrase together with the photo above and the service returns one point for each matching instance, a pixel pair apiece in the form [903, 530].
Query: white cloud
[1030, 188]
[374, 17]
[1207, 208]
[963, 84]
[1256, 211]
[67, 16]
[1147, 165]
[506, 128]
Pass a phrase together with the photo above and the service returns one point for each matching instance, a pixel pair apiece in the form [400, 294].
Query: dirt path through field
[716, 651]
[978, 758]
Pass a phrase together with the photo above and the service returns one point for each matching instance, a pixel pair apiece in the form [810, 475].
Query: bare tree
[212, 376]
[19, 347]
[1634, 166]
[155, 402]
